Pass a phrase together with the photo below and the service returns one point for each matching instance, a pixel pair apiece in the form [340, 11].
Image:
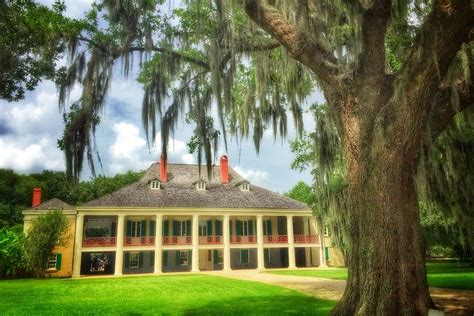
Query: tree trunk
[387, 274]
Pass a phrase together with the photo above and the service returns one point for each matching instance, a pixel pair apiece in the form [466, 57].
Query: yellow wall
[335, 255]
[66, 251]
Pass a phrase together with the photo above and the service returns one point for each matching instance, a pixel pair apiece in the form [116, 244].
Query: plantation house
[176, 218]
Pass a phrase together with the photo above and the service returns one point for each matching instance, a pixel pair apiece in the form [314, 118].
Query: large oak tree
[385, 107]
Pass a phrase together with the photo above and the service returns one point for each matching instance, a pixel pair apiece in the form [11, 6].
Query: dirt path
[454, 302]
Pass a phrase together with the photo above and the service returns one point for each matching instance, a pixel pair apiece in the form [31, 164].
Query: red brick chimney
[36, 197]
[224, 169]
[163, 169]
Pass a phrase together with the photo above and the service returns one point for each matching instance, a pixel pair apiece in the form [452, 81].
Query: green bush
[12, 254]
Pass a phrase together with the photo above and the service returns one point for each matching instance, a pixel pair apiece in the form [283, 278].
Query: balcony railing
[210, 240]
[139, 241]
[306, 239]
[275, 239]
[177, 240]
[99, 241]
[251, 239]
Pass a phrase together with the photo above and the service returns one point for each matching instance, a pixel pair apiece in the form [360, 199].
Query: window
[183, 258]
[201, 185]
[136, 229]
[245, 186]
[182, 228]
[155, 184]
[245, 228]
[220, 256]
[134, 260]
[326, 231]
[266, 255]
[326, 253]
[244, 256]
[203, 229]
[52, 260]
[267, 227]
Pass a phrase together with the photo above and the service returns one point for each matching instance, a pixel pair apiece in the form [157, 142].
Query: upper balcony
[100, 231]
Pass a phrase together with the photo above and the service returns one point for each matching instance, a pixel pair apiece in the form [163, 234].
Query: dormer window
[201, 185]
[155, 184]
[245, 186]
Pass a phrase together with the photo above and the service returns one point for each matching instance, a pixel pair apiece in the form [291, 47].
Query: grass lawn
[449, 275]
[170, 295]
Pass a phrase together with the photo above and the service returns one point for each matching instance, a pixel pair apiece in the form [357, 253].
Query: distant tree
[46, 232]
[303, 193]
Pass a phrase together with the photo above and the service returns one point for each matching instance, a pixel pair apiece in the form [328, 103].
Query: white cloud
[254, 176]
[188, 159]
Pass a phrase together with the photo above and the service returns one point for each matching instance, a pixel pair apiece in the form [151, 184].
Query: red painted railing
[177, 240]
[251, 239]
[139, 241]
[99, 241]
[210, 240]
[273, 239]
[306, 239]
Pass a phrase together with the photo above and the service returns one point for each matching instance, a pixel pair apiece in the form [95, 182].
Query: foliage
[12, 260]
[31, 43]
[177, 295]
[303, 193]
[46, 232]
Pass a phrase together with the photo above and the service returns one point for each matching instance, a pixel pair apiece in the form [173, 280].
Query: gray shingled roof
[179, 191]
[53, 203]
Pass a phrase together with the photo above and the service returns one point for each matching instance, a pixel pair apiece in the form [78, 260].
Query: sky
[30, 128]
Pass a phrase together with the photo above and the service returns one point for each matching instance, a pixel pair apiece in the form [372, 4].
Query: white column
[291, 242]
[76, 268]
[226, 232]
[260, 255]
[119, 250]
[320, 231]
[158, 243]
[195, 234]
[307, 232]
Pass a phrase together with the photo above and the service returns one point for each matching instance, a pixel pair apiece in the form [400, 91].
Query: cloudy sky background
[29, 131]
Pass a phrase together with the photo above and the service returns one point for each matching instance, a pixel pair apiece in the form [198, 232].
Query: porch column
[119, 250]
[76, 268]
[195, 234]
[226, 232]
[158, 243]
[291, 242]
[307, 233]
[260, 255]
[320, 230]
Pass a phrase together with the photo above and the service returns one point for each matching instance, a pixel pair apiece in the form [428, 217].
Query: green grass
[450, 275]
[170, 295]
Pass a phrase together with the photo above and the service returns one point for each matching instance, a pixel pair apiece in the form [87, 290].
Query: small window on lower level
[184, 258]
[134, 261]
[244, 256]
[54, 262]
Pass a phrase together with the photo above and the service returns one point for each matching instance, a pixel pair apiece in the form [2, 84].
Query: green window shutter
[129, 228]
[250, 227]
[190, 256]
[216, 256]
[113, 232]
[265, 233]
[143, 229]
[177, 257]
[230, 227]
[152, 258]
[188, 228]
[152, 228]
[140, 259]
[127, 260]
[58, 261]
[166, 228]
[165, 258]
[238, 227]
[269, 227]
[175, 228]
[266, 255]
[326, 253]
[244, 256]
[218, 228]
[209, 228]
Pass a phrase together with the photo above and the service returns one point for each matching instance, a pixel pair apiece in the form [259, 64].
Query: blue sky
[29, 130]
